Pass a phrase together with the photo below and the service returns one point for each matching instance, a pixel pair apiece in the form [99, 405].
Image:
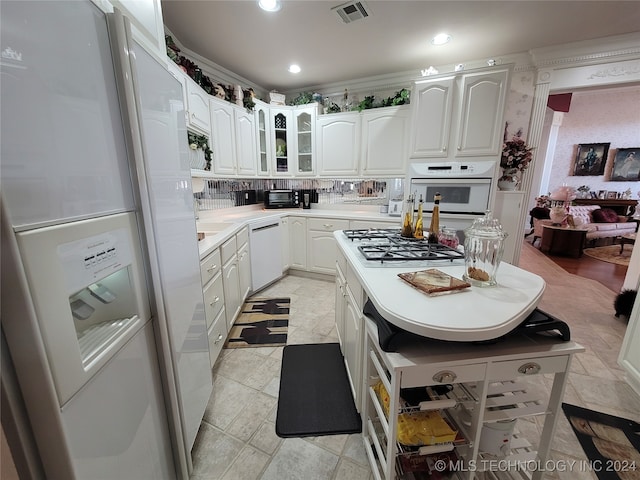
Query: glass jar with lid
[483, 249]
[449, 237]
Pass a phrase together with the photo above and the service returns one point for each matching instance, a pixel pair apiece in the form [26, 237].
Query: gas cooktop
[387, 245]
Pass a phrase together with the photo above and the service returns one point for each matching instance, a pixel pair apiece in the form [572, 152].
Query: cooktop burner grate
[369, 233]
[384, 245]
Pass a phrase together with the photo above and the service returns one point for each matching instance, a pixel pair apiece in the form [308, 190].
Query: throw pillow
[604, 215]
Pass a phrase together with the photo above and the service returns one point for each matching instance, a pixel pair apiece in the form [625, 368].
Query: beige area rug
[263, 322]
[611, 254]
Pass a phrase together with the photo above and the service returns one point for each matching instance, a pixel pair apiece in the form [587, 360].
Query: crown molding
[589, 52]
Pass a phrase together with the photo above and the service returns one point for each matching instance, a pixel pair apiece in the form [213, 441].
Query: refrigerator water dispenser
[90, 293]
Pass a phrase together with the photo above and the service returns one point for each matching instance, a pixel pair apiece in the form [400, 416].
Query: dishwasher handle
[265, 227]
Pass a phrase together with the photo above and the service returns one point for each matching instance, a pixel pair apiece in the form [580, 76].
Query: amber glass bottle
[434, 228]
[419, 230]
[407, 218]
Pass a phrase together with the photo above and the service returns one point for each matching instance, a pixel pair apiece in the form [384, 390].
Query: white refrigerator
[101, 308]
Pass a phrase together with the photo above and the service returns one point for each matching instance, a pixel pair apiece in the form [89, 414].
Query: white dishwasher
[265, 239]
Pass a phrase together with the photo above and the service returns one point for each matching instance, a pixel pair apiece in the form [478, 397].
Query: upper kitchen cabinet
[385, 140]
[283, 138]
[198, 117]
[223, 137]
[338, 143]
[263, 133]
[304, 119]
[146, 24]
[246, 144]
[480, 113]
[459, 116]
[431, 102]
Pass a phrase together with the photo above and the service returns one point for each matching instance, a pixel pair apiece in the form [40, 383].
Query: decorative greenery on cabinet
[200, 142]
[226, 92]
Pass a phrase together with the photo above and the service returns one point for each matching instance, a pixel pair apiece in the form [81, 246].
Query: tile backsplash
[225, 193]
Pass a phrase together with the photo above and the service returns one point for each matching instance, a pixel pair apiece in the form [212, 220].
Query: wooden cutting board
[433, 281]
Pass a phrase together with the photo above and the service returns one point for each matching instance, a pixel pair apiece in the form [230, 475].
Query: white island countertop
[472, 314]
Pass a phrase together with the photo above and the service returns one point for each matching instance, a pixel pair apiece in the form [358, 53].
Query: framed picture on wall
[591, 158]
[626, 165]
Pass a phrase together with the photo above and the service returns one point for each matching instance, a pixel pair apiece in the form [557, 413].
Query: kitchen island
[472, 378]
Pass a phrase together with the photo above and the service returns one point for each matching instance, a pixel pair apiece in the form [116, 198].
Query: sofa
[599, 222]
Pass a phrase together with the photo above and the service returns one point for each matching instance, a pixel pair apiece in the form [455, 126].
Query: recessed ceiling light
[270, 5]
[293, 68]
[441, 39]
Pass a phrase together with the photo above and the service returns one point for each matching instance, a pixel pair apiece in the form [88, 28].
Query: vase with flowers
[516, 157]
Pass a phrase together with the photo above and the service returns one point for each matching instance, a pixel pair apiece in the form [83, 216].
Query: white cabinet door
[480, 113]
[179, 75]
[353, 331]
[340, 307]
[304, 121]
[231, 286]
[244, 272]
[198, 117]
[146, 24]
[322, 248]
[338, 144]
[263, 137]
[246, 155]
[282, 140]
[284, 225]
[385, 139]
[224, 139]
[432, 102]
[298, 243]
[507, 209]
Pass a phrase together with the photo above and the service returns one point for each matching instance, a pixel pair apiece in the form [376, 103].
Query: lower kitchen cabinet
[298, 243]
[322, 246]
[230, 279]
[217, 334]
[244, 271]
[213, 295]
[349, 323]
[284, 225]
[236, 273]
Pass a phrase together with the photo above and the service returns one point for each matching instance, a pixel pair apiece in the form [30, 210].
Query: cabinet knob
[444, 149]
[218, 339]
[530, 368]
[216, 300]
[446, 376]
[328, 225]
[212, 268]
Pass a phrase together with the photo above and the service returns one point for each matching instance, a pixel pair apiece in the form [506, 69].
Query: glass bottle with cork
[407, 218]
[418, 232]
[434, 227]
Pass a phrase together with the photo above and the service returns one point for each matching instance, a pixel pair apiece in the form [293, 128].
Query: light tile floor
[237, 439]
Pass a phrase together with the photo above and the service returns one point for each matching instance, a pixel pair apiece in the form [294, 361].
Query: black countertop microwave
[281, 199]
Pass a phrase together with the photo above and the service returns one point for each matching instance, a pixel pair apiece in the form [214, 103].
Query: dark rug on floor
[612, 444]
[315, 396]
[262, 322]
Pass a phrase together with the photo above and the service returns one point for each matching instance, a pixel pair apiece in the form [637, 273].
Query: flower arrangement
[516, 154]
[584, 188]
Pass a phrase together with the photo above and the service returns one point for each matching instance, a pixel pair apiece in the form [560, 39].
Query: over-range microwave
[281, 199]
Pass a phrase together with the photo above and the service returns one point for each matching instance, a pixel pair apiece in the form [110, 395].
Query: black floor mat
[315, 397]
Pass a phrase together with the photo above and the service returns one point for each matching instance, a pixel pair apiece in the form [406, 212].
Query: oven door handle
[451, 181]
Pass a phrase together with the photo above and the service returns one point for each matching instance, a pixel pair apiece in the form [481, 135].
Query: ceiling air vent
[352, 11]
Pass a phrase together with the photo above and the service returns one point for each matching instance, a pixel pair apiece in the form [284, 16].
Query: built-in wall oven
[466, 188]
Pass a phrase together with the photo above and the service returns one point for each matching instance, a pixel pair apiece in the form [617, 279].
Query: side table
[628, 239]
[557, 240]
